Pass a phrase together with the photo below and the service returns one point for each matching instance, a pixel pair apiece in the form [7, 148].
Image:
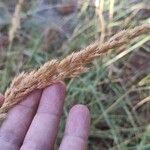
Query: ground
[117, 87]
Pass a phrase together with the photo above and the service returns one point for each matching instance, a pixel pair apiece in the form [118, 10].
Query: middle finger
[43, 130]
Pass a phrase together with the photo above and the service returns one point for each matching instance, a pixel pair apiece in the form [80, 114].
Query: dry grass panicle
[69, 67]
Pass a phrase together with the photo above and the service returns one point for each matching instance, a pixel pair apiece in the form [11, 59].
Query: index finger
[14, 128]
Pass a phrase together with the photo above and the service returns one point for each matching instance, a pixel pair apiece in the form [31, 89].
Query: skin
[33, 124]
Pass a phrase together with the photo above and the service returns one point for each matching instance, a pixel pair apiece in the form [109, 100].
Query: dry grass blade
[142, 102]
[69, 67]
[15, 24]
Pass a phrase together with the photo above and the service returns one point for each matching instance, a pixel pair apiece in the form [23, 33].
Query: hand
[33, 124]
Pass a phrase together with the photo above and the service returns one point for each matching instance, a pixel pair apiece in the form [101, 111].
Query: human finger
[43, 130]
[14, 128]
[77, 129]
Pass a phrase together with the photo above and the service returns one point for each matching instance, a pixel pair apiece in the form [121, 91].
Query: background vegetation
[116, 89]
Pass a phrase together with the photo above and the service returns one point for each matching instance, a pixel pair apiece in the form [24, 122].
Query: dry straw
[15, 23]
[69, 67]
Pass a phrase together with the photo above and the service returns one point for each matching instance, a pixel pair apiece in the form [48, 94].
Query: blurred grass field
[117, 87]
